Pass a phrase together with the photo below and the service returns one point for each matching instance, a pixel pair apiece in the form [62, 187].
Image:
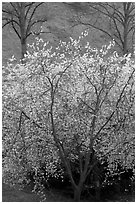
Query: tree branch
[119, 99]
[32, 14]
[96, 91]
[6, 24]
[11, 20]
[13, 5]
[118, 31]
[29, 7]
[57, 142]
[87, 105]
[15, 30]
[98, 28]
[34, 122]
[61, 74]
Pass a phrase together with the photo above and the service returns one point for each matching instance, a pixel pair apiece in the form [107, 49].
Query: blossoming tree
[71, 103]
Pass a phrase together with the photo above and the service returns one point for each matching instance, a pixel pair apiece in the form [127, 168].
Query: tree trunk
[23, 30]
[125, 43]
[23, 48]
[97, 190]
[77, 194]
[125, 32]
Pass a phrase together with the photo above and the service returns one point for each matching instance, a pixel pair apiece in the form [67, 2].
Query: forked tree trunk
[78, 189]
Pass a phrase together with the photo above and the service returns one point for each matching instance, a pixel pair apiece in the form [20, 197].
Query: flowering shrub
[61, 104]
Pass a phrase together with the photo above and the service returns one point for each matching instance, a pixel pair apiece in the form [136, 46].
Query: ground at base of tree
[10, 194]
[13, 195]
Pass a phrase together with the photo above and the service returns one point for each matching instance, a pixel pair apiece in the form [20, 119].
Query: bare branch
[131, 29]
[7, 12]
[13, 5]
[35, 22]
[118, 31]
[120, 14]
[98, 28]
[37, 33]
[30, 19]
[15, 30]
[6, 24]
[29, 7]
